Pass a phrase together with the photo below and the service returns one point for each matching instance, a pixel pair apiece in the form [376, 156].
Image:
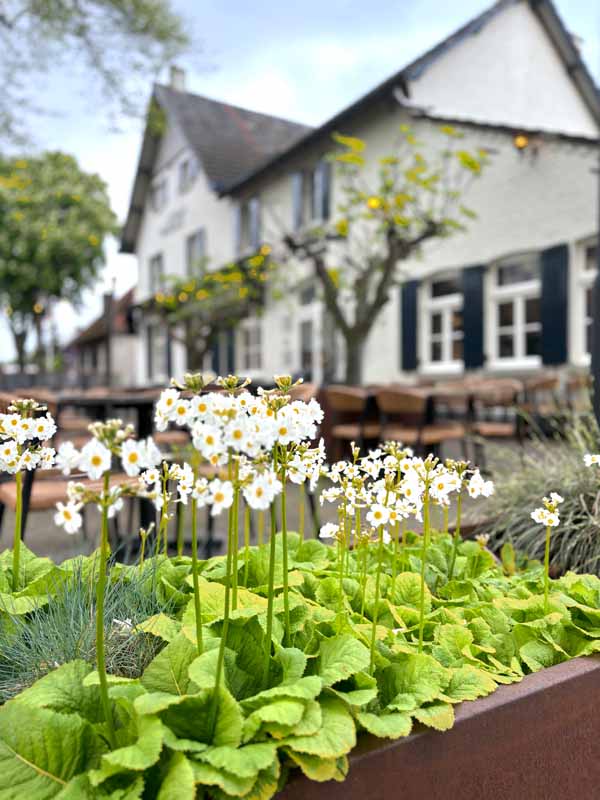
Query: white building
[510, 295]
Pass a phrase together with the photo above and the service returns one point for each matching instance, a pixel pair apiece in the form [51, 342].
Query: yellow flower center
[96, 461]
[133, 457]
[219, 497]
[67, 515]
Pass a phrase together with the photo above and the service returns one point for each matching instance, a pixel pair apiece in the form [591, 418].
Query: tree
[119, 42]
[53, 221]
[197, 308]
[383, 220]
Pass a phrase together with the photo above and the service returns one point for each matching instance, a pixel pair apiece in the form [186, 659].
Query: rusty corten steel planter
[534, 740]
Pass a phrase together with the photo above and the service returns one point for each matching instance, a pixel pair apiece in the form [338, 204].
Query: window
[188, 170]
[251, 345]
[585, 301]
[156, 272]
[442, 326]
[318, 189]
[248, 226]
[516, 333]
[156, 352]
[158, 194]
[195, 253]
[306, 348]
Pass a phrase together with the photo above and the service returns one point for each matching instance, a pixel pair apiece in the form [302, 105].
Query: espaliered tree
[197, 309]
[54, 218]
[384, 217]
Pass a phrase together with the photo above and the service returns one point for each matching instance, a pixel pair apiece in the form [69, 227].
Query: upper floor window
[195, 253]
[156, 272]
[442, 323]
[188, 170]
[159, 194]
[311, 195]
[250, 355]
[516, 322]
[248, 226]
[584, 300]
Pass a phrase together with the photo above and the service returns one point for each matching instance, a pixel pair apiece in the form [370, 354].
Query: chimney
[177, 78]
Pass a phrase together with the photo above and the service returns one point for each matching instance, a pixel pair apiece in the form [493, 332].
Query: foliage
[197, 307]
[117, 42]
[178, 736]
[384, 217]
[54, 218]
[551, 462]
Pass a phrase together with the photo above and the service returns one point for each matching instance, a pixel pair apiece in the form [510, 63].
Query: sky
[304, 61]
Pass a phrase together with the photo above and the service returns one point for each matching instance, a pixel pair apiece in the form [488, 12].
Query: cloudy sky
[303, 61]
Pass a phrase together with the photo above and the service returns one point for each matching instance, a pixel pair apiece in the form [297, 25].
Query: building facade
[510, 295]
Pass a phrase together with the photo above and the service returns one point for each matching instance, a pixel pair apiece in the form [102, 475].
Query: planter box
[535, 740]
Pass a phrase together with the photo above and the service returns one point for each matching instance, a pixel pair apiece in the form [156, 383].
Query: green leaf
[283, 713]
[192, 718]
[168, 671]
[339, 658]
[335, 738]
[41, 750]
[229, 782]
[468, 683]
[416, 679]
[358, 691]
[438, 715]
[392, 725]
[161, 626]
[179, 782]
[320, 769]
[306, 688]
[63, 690]
[246, 762]
[139, 756]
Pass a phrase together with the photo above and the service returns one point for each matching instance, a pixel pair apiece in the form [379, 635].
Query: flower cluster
[23, 433]
[547, 514]
[590, 459]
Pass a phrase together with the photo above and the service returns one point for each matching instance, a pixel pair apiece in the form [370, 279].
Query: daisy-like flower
[133, 457]
[8, 452]
[150, 476]
[478, 487]
[590, 458]
[47, 455]
[95, 459]
[221, 495]
[165, 407]
[329, 531]
[181, 414]
[28, 460]
[68, 517]
[67, 458]
[44, 428]
[260, 493]
[378, 515]
[200, 492]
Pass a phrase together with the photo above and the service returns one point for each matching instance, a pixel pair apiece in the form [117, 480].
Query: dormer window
[188, 170]
[248, 226]
[158, 194]
[311, 195]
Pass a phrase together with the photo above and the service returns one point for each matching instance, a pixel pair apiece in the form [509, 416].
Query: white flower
[545, 517]
[28, 460]
[329, 530]
[8, 453]
[68, 517]
[165, 407]
[67, 458]
[133, 456]
[221, 495]
[150, 476]
[590, 459]
[478, 487]
[378, 515]
[261, 492]
[95, 459]
[44, 428]
[46, 455]
[207, 439]
[25, 429]
[181, 414]
[200, 492]
[151, 453]
[556, 499]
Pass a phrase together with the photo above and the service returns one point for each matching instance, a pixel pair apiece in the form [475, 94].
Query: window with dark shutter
[555, 304]
[297, 200]
[408, 325]
[472, 288]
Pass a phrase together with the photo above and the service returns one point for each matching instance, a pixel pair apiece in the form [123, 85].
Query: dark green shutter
[555, 304]
[473, 278]
[230, 336]
[237, 227]
[215, 355]
[297, 200]
[325, 168]
[254, 214]
[408, 325]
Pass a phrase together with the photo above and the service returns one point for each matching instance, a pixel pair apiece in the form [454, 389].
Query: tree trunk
[40, 354]
[354, 359]
[20, 338]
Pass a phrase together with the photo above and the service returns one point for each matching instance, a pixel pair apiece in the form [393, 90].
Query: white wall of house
[509, 72]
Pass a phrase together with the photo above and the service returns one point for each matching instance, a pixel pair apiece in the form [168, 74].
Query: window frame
[249, 353]
[159, 197]
[517, 294]
[446, 305]
[190, 270]
[154, 284]
[584, 281]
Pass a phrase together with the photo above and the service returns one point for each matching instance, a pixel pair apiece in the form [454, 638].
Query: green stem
[446, 509]
[100, 591]
[395, 557]
[225, 628]
[246, 543]
[547, 568]
[341, 578]
[423, 565]
[456, 541]
[197, 604]
[180, 522]
[284, 543]
[301, 503]
[142, 551]
[376, 608]
[261, 527]
[235, 542]
[16, 568]
[269, 632]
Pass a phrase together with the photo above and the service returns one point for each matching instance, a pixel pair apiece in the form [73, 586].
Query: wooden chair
[349, 408]
[406, 416]
[495, 414]
[304, 392]
[579, 393]
[541, 407]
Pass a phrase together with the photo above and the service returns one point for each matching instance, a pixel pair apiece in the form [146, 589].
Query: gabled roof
[96, 331]
[545, 12]
[228, 141]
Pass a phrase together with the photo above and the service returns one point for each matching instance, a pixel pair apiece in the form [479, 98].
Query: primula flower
[378, 515]
[95, 459]
[67, 458]
[68, 517]
[590, 459]
[329, 531]
[133, 457]
[221, 495]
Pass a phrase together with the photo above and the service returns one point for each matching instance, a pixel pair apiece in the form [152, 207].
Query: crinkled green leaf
[468, 683]
[339, 658]
[336, 736]
[320, 769]
[168, 671]
[437, 715]
[193, 717]
[389, 725]
[179, 782]
[136, 757]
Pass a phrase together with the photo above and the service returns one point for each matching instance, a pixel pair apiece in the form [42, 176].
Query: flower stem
[547, 568]
[284, 542]
[246, 543]
[197, 604]
[376, 608]
[234, 544]
[142, 551]
[423, 565]
[180, 521]
[269, 631]
[226, 611]
[395, 557]
[16, 568]
[261, 527]
[341, 538]
[100, 590]
[456, 541]
[301, 503]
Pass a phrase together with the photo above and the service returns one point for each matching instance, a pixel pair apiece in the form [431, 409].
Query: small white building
[510, 295]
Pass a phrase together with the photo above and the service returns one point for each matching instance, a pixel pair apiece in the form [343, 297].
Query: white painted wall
[507, 73]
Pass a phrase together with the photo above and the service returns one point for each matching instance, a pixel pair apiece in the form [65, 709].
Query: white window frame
[249, 350]
[195, 268]
[159, 197]
[445, 305]
[584, 280]
[517, 293]
[156, 272]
